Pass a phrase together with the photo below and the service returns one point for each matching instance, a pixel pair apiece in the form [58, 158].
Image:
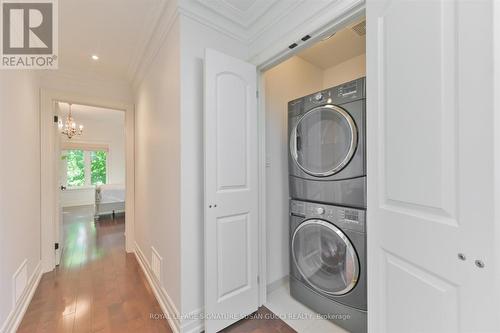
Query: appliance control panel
[321, 97]
[347, 218]
[347, 90]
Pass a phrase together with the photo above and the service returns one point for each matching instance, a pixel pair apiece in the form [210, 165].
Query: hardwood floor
[262, 321]
[98, 287]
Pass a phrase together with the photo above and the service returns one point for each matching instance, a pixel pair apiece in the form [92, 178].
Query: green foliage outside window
[76, 168]
[98, 167]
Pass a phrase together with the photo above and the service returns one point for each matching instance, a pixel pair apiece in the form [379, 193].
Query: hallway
[97, 287]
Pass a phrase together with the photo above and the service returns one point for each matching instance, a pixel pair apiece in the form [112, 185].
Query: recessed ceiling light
[95, 57]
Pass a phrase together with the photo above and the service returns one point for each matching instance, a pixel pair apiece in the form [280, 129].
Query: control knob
[320, 210]
[318, 97]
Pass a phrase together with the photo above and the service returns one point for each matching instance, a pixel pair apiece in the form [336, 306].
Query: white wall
[86, 85]
[19, 179]
[289, 80]
[194, 39]
[344, 72]
[157, 163]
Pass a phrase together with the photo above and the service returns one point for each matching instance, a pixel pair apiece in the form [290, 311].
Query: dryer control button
[320, 210]
[318, 97]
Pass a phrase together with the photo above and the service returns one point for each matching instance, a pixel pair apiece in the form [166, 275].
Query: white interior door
[430, 167]
[231, 190]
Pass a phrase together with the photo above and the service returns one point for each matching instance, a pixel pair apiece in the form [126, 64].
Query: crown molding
[149, 29]
[165, 21]
[244, 26]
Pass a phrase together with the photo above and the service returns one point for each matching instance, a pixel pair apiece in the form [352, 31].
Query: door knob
[63, 187]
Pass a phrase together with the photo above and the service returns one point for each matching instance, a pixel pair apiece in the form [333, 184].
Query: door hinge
[56, 246]
[258, 279]
[56, 119]
[257, 93]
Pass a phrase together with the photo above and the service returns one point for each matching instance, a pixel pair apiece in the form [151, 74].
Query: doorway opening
[88, 152]
[327, 258]
[91, 172]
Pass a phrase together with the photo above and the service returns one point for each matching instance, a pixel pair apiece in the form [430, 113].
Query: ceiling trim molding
[245, 19]
[225, 18]
[149, 29]
[210, 24]
[165, 23]
[212, 19]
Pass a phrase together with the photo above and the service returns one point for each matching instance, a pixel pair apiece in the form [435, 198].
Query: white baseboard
[166, 304]
[14, 318]
[277, 284]
[193, 322]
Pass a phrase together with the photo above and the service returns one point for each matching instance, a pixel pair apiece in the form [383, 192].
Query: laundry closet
[338, 60]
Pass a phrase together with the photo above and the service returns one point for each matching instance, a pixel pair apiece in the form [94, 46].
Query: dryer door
[325, 257]
[324, 140]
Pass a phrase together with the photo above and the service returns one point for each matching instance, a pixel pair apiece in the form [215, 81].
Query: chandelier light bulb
[69, 127]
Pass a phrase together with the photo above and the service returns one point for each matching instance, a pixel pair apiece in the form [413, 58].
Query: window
[98, 167]
[75, 166]
[85, 167]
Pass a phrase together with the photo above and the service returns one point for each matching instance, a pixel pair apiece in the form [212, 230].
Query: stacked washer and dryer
[327, 180]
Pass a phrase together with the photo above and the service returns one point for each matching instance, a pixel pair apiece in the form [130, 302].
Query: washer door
[325, 257]
[324, 140]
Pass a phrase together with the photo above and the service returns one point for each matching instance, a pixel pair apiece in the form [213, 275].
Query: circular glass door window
[324, 140]
[325, 257]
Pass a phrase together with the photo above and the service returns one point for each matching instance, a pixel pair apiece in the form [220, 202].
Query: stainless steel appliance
[327, 145]
[328, 262]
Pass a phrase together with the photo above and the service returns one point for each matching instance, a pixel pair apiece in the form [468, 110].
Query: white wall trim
[166, 303]
[496, 106]
[49, 200]
[169, 13]
[150, 28]
[275, 285]
[262, 153]
[193, 322]
[14, 318]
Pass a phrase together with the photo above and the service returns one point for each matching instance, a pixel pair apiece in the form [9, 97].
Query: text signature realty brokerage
[255, 315]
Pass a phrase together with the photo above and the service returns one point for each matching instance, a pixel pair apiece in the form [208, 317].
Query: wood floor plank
[100, 288]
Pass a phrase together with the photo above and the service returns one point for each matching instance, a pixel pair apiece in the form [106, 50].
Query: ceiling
[344, 45]
[115, 30]
[241, 12]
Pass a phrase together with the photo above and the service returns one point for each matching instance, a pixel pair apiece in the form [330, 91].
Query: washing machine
[328, 262]
[327, 146]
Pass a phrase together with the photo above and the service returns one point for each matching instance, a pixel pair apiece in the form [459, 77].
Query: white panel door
[231, 190]
[431, 227]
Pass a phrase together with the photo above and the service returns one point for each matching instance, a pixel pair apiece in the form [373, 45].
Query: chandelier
[69, 126]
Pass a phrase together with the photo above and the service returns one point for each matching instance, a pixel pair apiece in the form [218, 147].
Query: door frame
[48, 175]
[269, 58]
